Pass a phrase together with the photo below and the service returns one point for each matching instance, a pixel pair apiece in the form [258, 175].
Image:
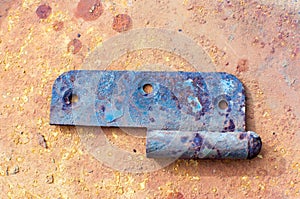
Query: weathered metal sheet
[181, 101]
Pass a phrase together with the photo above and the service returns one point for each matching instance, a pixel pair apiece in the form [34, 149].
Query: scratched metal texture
[202, 144]
[179, 100]
[187, 102]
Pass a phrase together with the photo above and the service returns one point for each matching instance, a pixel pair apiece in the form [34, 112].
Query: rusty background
[256, 41]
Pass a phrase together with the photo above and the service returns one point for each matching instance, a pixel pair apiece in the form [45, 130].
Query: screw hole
[223, 104]
[148, 88]
[70, 98]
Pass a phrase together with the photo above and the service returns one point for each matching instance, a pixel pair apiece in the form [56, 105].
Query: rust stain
[43, 11]
[175, 195]
[122, 22]
[89, 10]
[58, 25]
[242, 65]
[74, 46]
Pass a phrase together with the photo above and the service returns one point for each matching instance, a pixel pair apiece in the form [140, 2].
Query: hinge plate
[177, 101]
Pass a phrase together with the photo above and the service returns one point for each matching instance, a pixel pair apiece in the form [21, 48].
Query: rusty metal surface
[257, 41]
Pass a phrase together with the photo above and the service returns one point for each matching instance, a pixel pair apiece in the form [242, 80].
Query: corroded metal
[180, 101]
[202, 144]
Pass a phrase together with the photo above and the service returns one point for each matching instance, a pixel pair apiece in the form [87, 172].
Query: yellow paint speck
[261, 187]
[260, 156]
[195, 178]
[120, 190]
[214, 190]
[142, 185]
[114, 135]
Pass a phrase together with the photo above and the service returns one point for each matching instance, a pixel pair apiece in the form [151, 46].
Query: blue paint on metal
[179, 101]
[203, 144]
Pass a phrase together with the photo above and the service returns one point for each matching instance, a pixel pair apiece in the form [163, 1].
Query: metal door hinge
[187, 114]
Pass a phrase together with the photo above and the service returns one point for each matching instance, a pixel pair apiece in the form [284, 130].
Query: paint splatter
[58, 25]
[89, 10]
[74, 46]
[122, 22]
[43, 11]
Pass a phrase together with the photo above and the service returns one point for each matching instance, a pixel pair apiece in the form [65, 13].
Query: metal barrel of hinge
[202, 144]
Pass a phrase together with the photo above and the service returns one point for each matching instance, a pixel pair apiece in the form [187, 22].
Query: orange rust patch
[58, 25]
[176, 195]
[74, 46]
[242, 65]
[122, 22]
